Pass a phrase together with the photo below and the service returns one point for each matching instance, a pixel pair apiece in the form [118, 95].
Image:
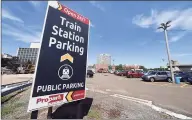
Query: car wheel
[169, 80]
[152, 79]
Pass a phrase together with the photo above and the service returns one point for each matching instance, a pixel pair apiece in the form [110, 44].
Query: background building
[104, 59]
[28, 54]
[180, 67]
[103, 62]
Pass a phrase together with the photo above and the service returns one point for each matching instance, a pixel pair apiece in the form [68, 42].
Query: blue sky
[126, 29]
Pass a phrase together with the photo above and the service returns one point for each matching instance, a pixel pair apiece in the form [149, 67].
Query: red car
[134, 74]
[100, 70]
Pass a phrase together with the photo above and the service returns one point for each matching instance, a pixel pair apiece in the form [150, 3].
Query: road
[176, 98]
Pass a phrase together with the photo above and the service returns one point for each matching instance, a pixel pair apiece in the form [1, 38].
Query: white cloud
[21, 33]
[182, 54]
[96, 4]
[8, 15]
[35, 3]
[181, 19]
[177, 37]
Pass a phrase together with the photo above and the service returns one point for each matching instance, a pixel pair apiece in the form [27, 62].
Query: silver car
[157, 75]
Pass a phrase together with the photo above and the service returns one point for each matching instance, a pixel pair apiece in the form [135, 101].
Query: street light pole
[169, 58]
[164, 26]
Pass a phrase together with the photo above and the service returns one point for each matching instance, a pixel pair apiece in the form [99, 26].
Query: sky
[127, 30]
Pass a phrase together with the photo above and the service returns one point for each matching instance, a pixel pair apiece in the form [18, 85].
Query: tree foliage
[119, 67]
[143, 67]
[109, 67]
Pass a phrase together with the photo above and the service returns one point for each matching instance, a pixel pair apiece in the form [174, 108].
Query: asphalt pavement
[173, 97]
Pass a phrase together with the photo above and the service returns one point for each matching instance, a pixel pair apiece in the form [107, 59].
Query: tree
[143, 67]
[28, 64]
[119, 67]
[109, 67]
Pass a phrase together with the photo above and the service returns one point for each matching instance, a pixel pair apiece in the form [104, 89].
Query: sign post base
[34, 114]
[49, 114]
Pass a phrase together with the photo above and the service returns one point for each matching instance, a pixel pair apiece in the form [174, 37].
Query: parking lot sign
[61, 66]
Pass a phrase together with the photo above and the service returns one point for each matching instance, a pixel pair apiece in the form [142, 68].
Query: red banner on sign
[78, 94]
[73, 14]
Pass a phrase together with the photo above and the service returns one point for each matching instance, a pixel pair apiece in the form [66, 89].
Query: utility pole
[164, 26]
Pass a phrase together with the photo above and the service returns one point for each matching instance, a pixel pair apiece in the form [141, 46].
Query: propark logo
[51, 99]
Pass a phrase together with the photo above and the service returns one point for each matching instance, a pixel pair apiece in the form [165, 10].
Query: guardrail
[10, 88]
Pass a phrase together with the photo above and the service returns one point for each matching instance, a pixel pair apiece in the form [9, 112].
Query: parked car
[190, 78]
[111, 71]
[158, 75]
[148, 72]
[121, 73]
[186, 77]
[90, 73]
[134, 74]
[116, 72]
[105, 71]
[183, 76]
[178, 72]
[100, 70]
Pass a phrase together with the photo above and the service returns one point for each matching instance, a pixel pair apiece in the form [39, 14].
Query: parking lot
[173, 97]
[118, 97]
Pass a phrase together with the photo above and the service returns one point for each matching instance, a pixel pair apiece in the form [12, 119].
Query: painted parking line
[166, 84]
[183, 85]
[149, 83]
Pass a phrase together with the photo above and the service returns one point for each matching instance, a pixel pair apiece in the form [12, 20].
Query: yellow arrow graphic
[69, 98]
[65, 57]
[60, 7]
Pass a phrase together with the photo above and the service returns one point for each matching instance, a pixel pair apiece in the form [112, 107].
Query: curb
[150, 104]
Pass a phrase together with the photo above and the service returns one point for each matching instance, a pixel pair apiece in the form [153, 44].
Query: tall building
[104, 59]
[28, 54]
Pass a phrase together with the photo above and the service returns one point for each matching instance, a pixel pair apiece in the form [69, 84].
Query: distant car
[116, 72]
[187, 77]
[182, 75]
[134, 74]
[90, 73]
[110, 71]
[190, 78]
[178, 72]
[158, 75]
[122, 73]
[100, 70]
